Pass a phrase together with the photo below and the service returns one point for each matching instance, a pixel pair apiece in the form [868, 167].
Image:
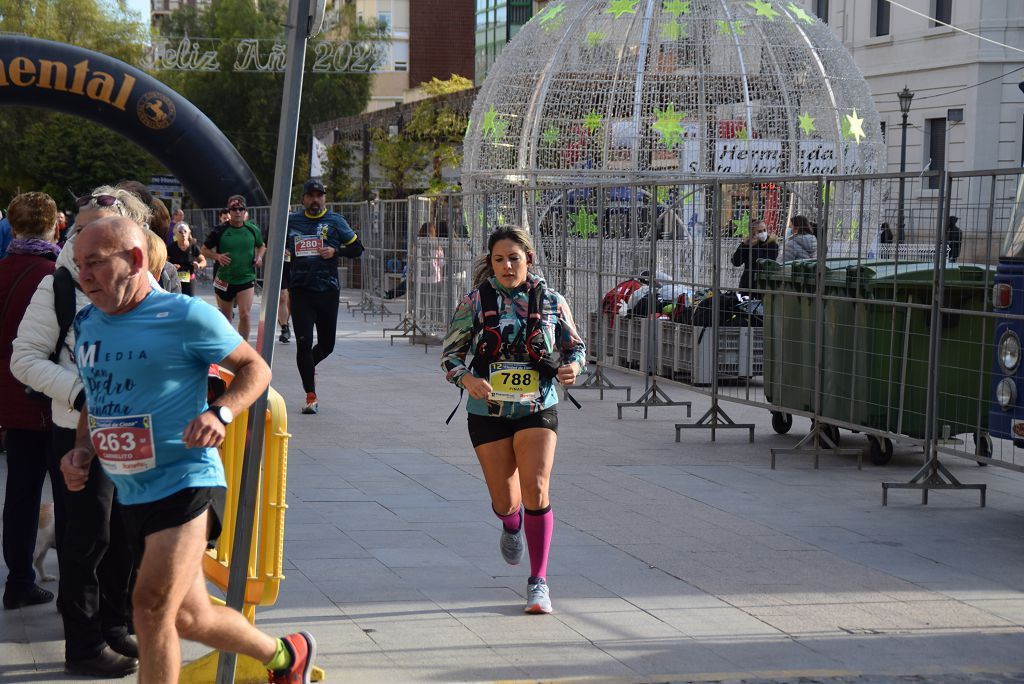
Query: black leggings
[310, 309]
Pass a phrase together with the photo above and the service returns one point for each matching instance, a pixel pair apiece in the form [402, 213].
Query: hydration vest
[532, 348]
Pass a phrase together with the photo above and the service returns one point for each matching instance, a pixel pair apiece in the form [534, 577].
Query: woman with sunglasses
[184, 253]
[524, 341]
[94, 557]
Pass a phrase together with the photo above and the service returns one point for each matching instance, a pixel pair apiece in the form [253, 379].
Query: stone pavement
[670, 562]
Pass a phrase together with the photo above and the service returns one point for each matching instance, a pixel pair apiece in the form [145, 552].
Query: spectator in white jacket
[93, 553]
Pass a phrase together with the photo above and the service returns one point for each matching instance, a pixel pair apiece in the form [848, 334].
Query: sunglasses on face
[237, 209]
[98, 200]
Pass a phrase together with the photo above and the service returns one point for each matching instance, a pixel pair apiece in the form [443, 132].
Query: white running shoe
[538, 601]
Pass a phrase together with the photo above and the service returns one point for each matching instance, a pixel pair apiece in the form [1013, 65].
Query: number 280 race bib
[124, 444]
[514, 381]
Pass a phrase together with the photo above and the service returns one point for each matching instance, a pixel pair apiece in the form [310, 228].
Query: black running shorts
[229, 294]
[485, 429]
[142, 520]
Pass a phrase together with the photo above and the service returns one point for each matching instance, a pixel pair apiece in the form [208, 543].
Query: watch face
[224, 414]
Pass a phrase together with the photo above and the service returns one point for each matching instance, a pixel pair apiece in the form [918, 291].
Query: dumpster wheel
[983, 446]
[880, 450]
[781, 422]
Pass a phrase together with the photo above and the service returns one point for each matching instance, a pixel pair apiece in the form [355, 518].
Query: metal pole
[900, 235]
[366, 162]
[298, 32]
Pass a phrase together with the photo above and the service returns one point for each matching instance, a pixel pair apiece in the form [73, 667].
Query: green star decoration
[584, 224]
[593, 121]
[855, 126]
[741, 226]
[729, 27]
[807, 123]
[668, 125]
[673, 30]
[675, 7]
[550, 135]
[800, 13]
[493, 125]
[741, 134]
[620, 7]
[551, 17]
[764, 9]
[595, 38]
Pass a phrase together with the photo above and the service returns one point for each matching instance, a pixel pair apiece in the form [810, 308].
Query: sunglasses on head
[98, 200]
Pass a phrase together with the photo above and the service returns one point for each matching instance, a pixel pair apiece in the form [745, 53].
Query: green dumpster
[787, 335]
[890, 392]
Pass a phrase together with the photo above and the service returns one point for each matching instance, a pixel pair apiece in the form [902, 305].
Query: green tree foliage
[91, 156]
[247, 106]
[401, 159]
[45, 151]
[439, 128]
[339, 179]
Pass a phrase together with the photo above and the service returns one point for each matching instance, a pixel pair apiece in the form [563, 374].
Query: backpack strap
[63, 307]
[487, 325]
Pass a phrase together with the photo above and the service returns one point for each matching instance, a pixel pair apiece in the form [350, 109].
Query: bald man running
[143, 355]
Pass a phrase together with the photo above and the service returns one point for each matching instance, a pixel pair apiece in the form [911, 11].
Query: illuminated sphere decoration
[661, 91]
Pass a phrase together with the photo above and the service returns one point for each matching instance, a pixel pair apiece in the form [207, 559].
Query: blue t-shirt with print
[313, 272]
[145, 375]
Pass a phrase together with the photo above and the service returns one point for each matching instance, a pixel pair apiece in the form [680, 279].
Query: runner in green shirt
[238, 248]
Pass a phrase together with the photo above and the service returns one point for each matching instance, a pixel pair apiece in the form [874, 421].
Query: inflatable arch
[59, 77]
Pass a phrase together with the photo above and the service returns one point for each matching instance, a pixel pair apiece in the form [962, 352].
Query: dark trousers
[311, 309]
[27, 464]
[95, 562]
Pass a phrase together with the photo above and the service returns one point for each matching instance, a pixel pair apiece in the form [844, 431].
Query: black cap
[313, 185]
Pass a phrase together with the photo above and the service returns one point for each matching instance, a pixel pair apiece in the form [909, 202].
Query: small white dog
[46, 539]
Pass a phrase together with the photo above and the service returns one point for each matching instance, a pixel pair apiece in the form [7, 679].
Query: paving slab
[671, 561]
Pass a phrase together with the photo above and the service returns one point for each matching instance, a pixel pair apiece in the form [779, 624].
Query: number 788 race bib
[124, 444]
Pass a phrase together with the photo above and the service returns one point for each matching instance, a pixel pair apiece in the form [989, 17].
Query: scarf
[33, 246]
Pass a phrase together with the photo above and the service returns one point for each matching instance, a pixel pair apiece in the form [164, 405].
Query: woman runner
[524, 339]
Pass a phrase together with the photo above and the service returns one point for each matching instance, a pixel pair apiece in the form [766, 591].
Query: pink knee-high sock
[538, 525]
[512, 521]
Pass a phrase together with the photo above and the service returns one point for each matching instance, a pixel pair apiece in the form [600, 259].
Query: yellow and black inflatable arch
[73, 80]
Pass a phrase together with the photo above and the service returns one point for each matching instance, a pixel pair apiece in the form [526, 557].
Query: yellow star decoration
[742, 134]
[856, 126]
[728, 27]
[620, 7]
[763, 9]
[676, 7]
[592, 122]
[800, 13]
[595, 38]
[807, 123]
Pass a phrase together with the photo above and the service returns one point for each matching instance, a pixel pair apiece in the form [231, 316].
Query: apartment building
[967, 111]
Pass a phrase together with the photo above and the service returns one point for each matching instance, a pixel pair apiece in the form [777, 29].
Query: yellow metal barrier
[266, 550]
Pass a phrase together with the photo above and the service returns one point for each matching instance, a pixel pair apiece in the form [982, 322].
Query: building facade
[160, 9]
[967, 112]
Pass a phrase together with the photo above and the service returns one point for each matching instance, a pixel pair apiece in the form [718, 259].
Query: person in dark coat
[760, 245]
[954, 238]
[885, 236]
[31, 256]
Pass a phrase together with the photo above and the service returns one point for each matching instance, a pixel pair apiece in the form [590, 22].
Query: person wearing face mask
[800, 241]
[316, 238]
[760, 245]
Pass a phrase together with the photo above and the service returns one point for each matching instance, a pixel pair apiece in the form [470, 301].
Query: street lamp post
[906, 97]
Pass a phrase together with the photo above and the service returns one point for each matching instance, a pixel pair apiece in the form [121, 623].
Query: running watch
[223, 414]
